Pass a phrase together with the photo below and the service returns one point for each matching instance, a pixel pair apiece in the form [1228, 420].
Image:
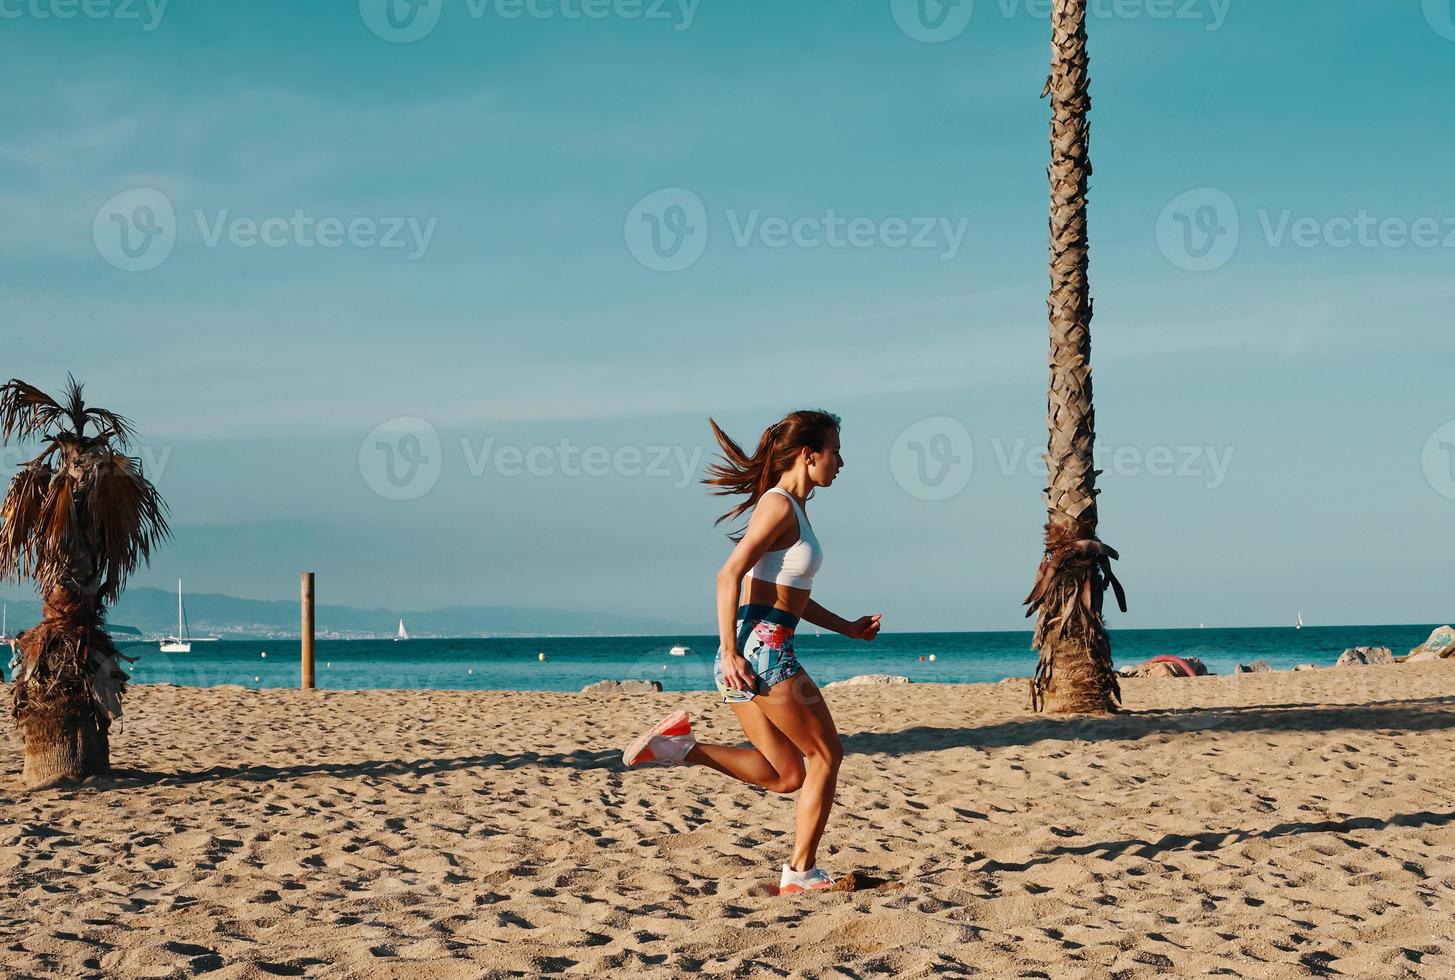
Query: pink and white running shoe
[813, 879]
[666, 744]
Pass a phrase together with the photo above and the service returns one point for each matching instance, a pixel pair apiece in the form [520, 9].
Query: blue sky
[1299, 388]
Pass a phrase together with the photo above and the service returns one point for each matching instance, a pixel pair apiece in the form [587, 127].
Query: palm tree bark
[1075, 669]
[66, 690]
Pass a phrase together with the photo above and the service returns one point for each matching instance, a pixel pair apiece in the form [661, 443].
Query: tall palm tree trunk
[1075, 669]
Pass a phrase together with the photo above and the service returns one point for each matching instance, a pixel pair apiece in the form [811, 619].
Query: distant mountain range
[154, 612]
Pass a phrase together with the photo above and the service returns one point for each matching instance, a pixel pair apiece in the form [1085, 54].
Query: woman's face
[824, 464]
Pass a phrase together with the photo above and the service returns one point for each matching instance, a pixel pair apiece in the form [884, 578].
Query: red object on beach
[1182, 665]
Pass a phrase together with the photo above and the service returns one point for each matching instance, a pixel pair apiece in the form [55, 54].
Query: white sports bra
[795, 565]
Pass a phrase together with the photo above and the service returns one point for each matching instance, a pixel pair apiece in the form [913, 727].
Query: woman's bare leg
[772, 763]
[796, 709]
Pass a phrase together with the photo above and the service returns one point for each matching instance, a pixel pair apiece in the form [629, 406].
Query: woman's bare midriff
[756, 592]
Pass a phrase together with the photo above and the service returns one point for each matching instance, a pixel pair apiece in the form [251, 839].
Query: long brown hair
[778, 445]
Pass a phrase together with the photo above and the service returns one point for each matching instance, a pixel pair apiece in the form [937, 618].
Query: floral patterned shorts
[765, 639]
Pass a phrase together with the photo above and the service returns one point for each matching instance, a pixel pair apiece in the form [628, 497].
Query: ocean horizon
[568, 663]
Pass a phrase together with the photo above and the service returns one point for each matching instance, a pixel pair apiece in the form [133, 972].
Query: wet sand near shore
[1261, 825]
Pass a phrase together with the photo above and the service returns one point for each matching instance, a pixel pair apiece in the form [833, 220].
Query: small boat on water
[680, 651]
[182, 642]
[402, 634]
[1298, 623]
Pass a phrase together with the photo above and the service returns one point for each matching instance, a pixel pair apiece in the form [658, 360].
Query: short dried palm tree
[1075, 670]
[78, 518]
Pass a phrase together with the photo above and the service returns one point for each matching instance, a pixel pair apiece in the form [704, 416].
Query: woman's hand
[864, 628]
[736, 674]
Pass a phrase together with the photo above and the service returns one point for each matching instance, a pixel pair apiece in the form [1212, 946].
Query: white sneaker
[666, 744]
[801, 881]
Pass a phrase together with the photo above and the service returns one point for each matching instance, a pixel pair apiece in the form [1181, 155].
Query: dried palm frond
[109, 425]
[20, 516]
[1068, 593]
[25, 410]
[126, 517]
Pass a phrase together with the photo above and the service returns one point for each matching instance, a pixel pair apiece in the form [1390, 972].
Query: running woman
[763, 590]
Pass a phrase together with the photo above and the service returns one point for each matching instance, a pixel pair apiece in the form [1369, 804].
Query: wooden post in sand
[307, 631]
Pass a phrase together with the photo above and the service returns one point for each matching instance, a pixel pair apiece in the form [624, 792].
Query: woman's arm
[770, 517]
[819, 616]
[863, 628]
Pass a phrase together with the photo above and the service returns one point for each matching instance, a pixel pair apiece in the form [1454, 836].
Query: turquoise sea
[570, 663]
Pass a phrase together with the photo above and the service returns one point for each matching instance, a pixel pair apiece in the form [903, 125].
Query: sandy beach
[1270, 825]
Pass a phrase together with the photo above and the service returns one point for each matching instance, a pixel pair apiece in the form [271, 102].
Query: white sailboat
[5, 636]
[401, 635]
[182, 642]
[1298, 623]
